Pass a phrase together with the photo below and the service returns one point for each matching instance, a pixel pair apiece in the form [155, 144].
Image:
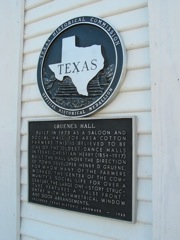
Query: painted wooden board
[123, 21]
[47, 230]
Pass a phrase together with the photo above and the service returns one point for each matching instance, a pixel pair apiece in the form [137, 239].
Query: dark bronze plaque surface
[83, 165]
[81, 66]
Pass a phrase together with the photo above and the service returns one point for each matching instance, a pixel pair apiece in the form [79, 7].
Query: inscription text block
[83, 165]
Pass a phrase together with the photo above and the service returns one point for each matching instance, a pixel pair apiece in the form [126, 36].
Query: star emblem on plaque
[81, 66]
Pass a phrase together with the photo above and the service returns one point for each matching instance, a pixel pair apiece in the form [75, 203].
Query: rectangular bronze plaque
[84, 165]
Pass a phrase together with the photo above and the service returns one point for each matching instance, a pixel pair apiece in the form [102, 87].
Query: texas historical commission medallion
[81, 66]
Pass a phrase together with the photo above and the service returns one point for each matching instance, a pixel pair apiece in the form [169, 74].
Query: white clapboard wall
[130, 18]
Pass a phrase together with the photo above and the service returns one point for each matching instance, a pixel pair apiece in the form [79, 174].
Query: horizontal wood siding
[130, 18]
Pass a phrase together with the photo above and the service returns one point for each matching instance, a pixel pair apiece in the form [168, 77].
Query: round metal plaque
[81, 66]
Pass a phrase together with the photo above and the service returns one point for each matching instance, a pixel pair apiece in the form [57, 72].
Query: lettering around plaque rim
[81, 66]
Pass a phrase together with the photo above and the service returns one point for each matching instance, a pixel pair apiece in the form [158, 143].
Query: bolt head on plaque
[81, 66]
